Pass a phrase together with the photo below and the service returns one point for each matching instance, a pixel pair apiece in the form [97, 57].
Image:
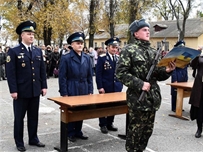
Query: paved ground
[170, 134]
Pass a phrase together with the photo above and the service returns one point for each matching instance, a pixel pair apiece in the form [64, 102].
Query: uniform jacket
[195, 96]
[133, 66]
[105, 74]
[75, 76]
[179, 75]
[25, 75]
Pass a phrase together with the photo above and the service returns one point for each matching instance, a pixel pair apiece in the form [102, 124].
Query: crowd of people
[51, 58]
[28, 67]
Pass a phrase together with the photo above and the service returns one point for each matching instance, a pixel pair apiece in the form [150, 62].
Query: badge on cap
[32, 28]
[8, 59]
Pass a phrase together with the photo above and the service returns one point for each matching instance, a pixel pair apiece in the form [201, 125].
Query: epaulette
[66, 53]
[102, 55]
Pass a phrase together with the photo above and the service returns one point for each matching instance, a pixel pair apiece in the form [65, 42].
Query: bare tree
[111, 7]
[181, 13]
[163, 9]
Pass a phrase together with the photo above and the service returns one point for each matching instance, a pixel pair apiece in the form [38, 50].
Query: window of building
[95, 44]
[102, 45]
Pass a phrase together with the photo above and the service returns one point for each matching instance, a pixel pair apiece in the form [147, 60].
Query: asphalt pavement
[170, 134]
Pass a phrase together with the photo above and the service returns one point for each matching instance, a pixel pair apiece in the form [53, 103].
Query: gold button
[33, 68]
[32, 62]
[33, 74]
[33, 80]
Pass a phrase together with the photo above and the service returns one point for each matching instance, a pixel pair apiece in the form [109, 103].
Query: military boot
[199, 129]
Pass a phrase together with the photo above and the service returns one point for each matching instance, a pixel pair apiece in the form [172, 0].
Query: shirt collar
[111, 56]
[26, 45]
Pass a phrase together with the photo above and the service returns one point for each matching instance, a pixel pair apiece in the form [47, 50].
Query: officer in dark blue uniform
[106, 79]
[75, 78]
[26, 80]
[178, 75]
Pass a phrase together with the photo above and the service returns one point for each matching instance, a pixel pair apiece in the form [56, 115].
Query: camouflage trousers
[140, 129]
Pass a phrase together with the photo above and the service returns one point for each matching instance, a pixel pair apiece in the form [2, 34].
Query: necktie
[30, 52]
[114, 61]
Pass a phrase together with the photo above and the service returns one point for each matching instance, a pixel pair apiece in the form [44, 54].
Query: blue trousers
[20, 107]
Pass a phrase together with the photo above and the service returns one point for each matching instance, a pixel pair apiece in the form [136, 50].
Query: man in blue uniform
[26, 80]
[178, 75]
[75, 78]
[106, 79]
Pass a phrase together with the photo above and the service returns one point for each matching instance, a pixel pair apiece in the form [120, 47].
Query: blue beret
[27, 26]
[77, 36]
[137, 24]
[112, 41]
[180, 43]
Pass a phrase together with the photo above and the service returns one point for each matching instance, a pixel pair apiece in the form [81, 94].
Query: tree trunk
[111, 23]
[92, 29]
[47, 35]
[133, 6]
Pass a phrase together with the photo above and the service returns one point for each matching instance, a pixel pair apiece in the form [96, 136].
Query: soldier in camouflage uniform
[133, 66]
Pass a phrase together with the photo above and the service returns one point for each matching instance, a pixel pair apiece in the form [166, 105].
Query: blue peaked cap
[112, 41]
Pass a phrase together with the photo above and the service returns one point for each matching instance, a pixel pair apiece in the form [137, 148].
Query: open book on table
[182, 56]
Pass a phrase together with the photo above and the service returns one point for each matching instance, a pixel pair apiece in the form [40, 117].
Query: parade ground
[170, 134]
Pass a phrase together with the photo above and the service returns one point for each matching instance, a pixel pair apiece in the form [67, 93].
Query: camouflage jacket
[133, 66]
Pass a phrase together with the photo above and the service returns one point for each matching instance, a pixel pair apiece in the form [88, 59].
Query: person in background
[2, 64]
[43, 48]
[55, 58]
[95, 60]
[133, 66]
[26, 77]
[178, 75]
[106, 80]
[75, 78]
[196, 97]
[64, 50]
[91, 54]
[85, 50]
[48, 53]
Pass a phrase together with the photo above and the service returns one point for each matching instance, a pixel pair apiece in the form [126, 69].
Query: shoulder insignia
[8, 59]
[66, 53]
[102, 55]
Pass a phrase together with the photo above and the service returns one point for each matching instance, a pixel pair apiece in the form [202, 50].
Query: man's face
[143, 34]
[43, 47]
[77, 46]
[112, 49]
[27, 37]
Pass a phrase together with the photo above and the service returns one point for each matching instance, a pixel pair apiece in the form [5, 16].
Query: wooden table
[75, 108]
[183, 90]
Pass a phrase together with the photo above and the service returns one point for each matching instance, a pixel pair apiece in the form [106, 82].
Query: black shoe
[198, 133]
[83, 137]
[72, 138]
[39, 144]
[104, 130]
[112, 128]
[21, 148]
[4, 78]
